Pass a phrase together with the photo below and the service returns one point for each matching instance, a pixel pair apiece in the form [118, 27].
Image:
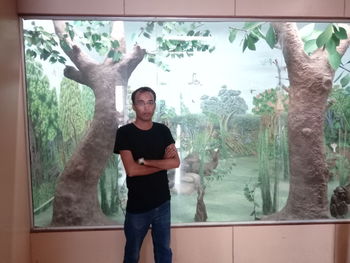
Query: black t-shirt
[148, 191]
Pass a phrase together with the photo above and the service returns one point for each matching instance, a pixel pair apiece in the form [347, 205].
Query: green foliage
[327, 39]
[264, 170]
[220, 109]
[227, 167]
[71, 114]
[341, 108]
[166, 115]
[249, 194]
[344, 79]
[191, 126]
[42, 192]
[95, 36]
[265, 102]
[227, 102]
[43, 116]
[342, 170]
[175, 40]
[108, 186]
[42, 104]
[39, 42]
[338, 116]
[253, 32]
[88, 103]
[245, 128]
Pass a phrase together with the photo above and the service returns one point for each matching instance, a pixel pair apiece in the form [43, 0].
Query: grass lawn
[224, 198]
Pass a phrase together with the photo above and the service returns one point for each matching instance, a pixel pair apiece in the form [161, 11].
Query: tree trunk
[76, 200]
[201, 210]
[310, 84]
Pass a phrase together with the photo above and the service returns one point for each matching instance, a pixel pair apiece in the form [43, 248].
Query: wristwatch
[141, 161]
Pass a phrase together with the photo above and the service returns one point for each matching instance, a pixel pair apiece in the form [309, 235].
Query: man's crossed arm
[170, 160]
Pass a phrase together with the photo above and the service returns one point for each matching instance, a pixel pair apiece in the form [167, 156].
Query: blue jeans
[136, 227]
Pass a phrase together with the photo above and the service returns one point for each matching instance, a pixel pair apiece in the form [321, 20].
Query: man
[147, 151]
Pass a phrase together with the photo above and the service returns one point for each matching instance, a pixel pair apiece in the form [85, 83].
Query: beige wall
[208, 8]
[239, 244]
[14, 210]
[328, 243]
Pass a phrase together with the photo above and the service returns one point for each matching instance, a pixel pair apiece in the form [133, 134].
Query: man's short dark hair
[142, 90]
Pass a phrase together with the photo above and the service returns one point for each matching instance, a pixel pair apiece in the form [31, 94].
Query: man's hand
[170, 159]
[170, 152]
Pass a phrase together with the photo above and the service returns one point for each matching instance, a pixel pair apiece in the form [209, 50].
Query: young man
[147, 151]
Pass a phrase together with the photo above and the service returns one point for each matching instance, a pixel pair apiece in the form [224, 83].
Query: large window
[260, 113]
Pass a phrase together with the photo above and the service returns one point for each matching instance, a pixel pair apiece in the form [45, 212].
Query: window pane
[259, 112]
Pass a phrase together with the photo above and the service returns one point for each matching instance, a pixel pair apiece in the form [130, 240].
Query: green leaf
[62, 60]
[257, 32]
[44, 54]
[245, 44]
[341, 33]
[325, 36]
[114, 55]
[145, 34]
[251, 43]
[150, 27]
[334, 60]
[206, 33]
[335, 39]
[95, 37]
[331, 46]
[271, 37]
[345, 80]
[190, 33]
[252, 25]
[71, 34]
[253, 38]
[115, 44]
[310, 46]
[53, 60]
[233, 34]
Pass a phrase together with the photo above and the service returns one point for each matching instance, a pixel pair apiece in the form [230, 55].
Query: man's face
[144, 106]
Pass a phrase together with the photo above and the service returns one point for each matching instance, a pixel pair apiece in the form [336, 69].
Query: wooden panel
[204, 245]
[14, 203]
[179, 8]
[69, 7]
[74, 247]
[347, 8]
[287, 244]
[297, 8]
[342, 243]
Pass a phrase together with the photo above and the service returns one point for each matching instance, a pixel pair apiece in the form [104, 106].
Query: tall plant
[43, 131]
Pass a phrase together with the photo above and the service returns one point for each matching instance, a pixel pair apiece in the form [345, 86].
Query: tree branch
[76, 55]
[131, 60]
[344, 44]
[74, 74]
[291, 43]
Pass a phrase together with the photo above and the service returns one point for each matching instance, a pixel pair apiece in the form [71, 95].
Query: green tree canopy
[71, 113]
[42, 104]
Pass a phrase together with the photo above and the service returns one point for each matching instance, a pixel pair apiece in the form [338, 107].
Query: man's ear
[133, 107]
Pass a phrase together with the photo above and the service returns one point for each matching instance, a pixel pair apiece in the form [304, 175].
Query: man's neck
[143, 125]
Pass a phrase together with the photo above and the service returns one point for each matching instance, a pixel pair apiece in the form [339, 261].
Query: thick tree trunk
[201, 210]
[76, 200]
[310, 84]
